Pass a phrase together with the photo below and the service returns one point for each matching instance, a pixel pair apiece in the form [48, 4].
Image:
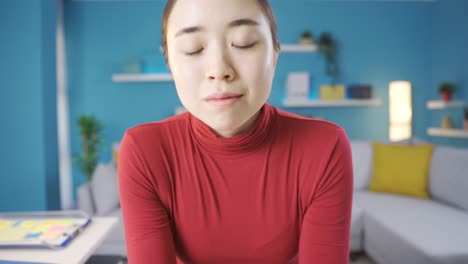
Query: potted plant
[446, 89]
[329, 48]
[90, 132]
[306, 38]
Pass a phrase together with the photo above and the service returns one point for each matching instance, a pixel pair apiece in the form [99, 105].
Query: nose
[220, 68]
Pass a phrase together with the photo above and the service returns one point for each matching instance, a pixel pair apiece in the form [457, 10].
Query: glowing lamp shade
[401, 113]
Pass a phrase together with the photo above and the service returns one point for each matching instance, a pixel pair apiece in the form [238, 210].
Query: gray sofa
[391, 229]
[104, 188]
[395, 229]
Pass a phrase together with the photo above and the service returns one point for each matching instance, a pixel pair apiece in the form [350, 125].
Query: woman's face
[222, 60]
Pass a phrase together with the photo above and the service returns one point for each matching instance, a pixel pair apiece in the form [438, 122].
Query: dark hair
[264, 4]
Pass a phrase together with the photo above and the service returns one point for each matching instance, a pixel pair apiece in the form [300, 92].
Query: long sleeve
[146, 222]
[278, 193]
[325, 230]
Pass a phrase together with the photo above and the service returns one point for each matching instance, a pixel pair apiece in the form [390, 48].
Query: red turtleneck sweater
[278, 193]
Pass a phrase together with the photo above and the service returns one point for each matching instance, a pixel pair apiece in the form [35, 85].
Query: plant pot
[446, 96]
[465, 124]
[306, 41]
[86, 199]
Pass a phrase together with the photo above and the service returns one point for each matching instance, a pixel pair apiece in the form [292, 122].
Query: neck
[243, 128]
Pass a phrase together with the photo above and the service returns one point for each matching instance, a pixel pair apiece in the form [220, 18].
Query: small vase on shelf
[446, 96]
[306, 38]
[446, 89]
[447, 123]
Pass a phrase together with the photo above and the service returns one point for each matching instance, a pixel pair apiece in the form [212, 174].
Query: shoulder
[158, 130]
[309, 129]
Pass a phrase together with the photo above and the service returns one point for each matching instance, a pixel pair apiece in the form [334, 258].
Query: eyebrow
[235, 23]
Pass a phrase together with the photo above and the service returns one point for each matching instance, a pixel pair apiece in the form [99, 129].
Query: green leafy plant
[90, 132]
[447, 87]
[306, 34]
[329, 48]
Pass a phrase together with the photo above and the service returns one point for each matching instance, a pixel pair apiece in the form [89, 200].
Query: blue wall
[448, 42]
[100, 38]
[29, 177]
[380, 42]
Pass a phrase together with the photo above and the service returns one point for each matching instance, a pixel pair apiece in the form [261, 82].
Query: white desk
[78, 251]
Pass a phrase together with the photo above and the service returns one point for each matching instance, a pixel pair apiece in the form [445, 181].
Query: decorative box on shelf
[332, 92]
[359, 91]
[297, 85]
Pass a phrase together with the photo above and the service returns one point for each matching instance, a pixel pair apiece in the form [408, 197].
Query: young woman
[233, 180]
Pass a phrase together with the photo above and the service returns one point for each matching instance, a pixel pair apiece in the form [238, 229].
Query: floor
[356, 259]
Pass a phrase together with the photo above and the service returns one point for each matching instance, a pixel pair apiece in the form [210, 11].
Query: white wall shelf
[142, 77]
[443, 104]
[298, 48]
[331, 103]
[447, 132]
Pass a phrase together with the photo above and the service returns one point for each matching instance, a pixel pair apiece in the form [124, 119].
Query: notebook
[49, 229]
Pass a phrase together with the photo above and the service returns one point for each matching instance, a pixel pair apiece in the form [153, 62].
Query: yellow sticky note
[40, 229]
[65, 222]
[6, 223]
[49, 222]
[14, 234]
[28, 224]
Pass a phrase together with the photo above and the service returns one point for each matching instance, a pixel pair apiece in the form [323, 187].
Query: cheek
[258, 71]
[187, 76]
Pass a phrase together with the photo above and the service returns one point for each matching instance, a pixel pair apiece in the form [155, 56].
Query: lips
[224, 99]
[222, 96]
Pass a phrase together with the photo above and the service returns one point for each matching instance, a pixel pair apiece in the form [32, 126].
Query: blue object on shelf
[359, 91]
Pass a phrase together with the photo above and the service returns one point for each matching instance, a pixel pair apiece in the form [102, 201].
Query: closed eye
[246, 47]
[193, 53]
[240, 47]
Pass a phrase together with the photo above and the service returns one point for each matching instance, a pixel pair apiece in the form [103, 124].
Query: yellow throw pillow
[401, 169]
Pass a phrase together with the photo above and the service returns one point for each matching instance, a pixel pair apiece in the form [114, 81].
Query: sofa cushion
[357, 226]
[400, 229]
[361, 152]
[117, 234]
[401, 169]
[448, 176]
[105, 188]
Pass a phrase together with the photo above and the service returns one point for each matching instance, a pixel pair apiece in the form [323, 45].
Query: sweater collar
[240, 144]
